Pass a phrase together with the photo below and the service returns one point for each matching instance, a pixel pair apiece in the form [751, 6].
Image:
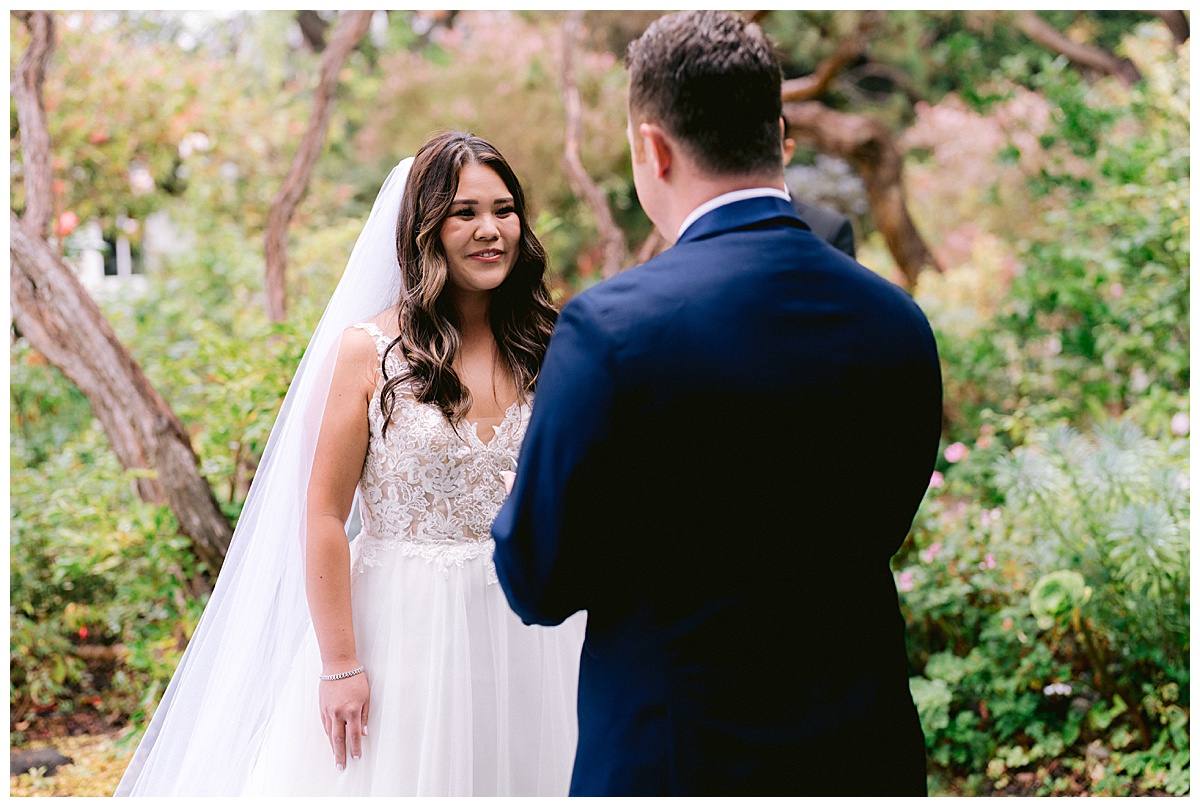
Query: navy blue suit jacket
[728, 444]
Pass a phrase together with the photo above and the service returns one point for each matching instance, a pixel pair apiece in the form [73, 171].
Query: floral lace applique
[427, 490]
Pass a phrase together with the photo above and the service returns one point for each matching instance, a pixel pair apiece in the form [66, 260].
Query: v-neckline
[515, 406]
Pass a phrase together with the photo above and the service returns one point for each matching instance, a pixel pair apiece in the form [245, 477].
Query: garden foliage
[1047, 581]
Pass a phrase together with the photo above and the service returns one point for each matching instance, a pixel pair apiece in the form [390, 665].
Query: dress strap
[377, 335]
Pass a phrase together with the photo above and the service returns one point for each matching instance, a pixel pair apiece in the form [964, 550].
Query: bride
[390, 664]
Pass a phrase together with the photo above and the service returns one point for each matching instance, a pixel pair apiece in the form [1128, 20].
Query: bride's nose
[486, 229]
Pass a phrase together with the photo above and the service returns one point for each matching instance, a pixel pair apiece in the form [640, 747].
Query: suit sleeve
[543, 534]
[843, 239]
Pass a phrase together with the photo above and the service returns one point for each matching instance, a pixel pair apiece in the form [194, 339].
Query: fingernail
[364, 731]
[341, 767]
[358, 756]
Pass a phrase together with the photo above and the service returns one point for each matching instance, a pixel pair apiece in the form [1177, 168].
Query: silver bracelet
[340, 676]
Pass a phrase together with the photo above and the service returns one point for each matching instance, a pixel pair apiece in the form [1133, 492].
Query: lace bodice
[426, 489]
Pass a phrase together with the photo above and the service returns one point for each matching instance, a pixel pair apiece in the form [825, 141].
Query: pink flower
[989, 517]
[1180, 424]
[905, 581]
[937, 480]
[932, 552]
[988, 562]
[1008, 623]
[956, 452]
[1116, 290]
[67, 223]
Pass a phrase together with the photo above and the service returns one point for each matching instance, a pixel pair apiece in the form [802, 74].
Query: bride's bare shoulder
[388, 321]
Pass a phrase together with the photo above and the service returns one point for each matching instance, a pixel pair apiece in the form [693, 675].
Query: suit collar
[741, 214]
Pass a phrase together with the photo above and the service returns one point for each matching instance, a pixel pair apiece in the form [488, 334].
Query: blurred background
[202, 177]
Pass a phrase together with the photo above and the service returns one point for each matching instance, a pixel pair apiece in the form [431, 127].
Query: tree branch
[1177, 22]
[31, 117]
[582, 184]
[1090, 56]
[868, 146]
[349, 31]
[850, 48]
[313, 29]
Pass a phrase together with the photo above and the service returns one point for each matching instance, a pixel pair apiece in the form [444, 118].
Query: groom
[729, 443]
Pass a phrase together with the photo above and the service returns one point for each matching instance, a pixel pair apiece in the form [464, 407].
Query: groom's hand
[344, 707]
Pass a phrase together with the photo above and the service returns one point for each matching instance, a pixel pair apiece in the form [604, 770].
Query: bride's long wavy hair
[521, 315]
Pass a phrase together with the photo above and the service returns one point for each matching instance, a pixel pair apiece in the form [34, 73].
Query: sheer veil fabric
[208, 727]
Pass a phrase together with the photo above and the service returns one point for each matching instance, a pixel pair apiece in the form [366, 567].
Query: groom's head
[711, 81]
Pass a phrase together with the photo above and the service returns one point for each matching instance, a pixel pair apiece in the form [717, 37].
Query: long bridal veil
[204, 737]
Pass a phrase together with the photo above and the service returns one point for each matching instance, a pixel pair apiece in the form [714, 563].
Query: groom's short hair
[712, 80]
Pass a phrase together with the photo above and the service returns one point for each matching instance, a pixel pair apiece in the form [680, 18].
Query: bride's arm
[337, 466]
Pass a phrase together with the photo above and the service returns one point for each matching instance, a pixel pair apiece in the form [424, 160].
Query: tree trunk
[582, 184]
[31, 112]
[62, 321]
[349, 31]
[1046, 35]
[868, 146]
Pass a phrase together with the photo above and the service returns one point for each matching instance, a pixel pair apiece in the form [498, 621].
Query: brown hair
[520, 311]
[713, 81]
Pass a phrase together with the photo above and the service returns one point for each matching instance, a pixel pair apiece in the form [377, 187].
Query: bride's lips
[487, 255]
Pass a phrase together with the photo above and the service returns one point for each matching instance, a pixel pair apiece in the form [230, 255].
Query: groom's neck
[691, 189]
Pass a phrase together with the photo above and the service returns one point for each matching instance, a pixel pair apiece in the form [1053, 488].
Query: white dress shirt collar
[729, 198]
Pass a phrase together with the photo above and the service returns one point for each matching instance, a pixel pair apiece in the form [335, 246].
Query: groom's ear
[658, 146]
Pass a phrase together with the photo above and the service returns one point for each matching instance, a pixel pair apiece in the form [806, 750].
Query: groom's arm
[548, 526]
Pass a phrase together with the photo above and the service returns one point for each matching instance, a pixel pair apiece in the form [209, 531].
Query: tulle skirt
[465, 699]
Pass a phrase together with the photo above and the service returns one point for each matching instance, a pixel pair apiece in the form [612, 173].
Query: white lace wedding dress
[465, 699]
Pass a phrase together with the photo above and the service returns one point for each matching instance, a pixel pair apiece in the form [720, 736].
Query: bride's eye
[505, 211]
[463, 212]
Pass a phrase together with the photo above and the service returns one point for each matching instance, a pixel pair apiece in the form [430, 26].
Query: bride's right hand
[344, 707]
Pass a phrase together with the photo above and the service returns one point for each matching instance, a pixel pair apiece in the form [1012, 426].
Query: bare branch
[582, 184]
[868, 146]
[1090, 56]
[313, 29]
[349, 31]
[850, 48]
[31, 118]
[1177, 22]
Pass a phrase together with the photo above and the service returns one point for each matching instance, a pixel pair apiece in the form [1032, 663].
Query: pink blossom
[1116, 290]
[905, 581]
[956, 452]
[67, 223]
[932, 552]
[989, 517]
[1180, 424]
[1008, 623]
[937, 480]
[988, 562]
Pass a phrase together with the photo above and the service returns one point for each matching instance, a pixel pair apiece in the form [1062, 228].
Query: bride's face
[481, 235]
